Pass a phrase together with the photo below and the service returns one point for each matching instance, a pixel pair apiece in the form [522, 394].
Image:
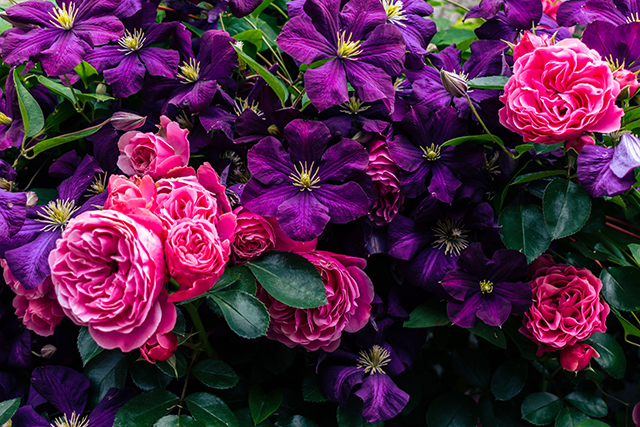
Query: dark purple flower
[609, 171]
[582, 12]
[518, 16]
[425, 164]
[239, 8]
[13, 210]
[125, 65]
[355, 116]
[359, 46]
[409, 17]
[619, 45]
[311, 184]
[485, 289]
[11, 127]
[60, 33]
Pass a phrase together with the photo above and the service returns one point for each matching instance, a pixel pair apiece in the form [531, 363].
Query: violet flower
[619, 45]
[409, 17]
[583, 12]
[609, 171]
[125, 65]
[311, 184]
[356, 116]
[518, 16]
[359, 46]
[485, 289]
[60, 33]
[11, 126]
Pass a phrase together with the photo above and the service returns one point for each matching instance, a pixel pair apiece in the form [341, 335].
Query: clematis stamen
[64, 17]
[486, 286]
[240, 105]
[354, 106]
[189, 72]
[5, 120]
[99, 184]
[374, 360]
[74, 421]
[348, 49]
[431, 153]
[131, 42]
[451, 236]
[634, 17]
[57, 213]
[395, 14]
[305, 177]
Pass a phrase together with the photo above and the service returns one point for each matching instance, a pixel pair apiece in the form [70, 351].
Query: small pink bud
[576, 357]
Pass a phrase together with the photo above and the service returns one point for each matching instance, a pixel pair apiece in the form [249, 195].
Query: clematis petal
[13, 212]
[370, 82]
[443, 184]
[127, 78]
[506, 266]
[66, 52]
[582, 12]
[428, 268]
[493, 310]
[307, 140]
[345, 202]
[523, 14]
[241, 8]
[265, 199]
[343, 160]
[302, 217]
[104, 414]
[596, 176]
[626, 156]
[463, 313]
[324, 18]
[327, 84]
[337, 382]
[406, 238]
[28, 417]
[29, 263]
[160, 62]
[384, 49]
[269, 163]
[99, 30]
[360, 17]
[382, 398]
[63, 387]
[303, 42]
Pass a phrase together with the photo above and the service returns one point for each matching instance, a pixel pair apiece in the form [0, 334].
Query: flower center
[57, 214]
[394, 11]
[5, 120]
[635, 17]
[64, 17]
[99, 184]
[131, 42]
[486, 286]
[451, 236]
[306, 178]
[374, 360]
[240, 105]
[347, 49]
[189, 72]
[613, 63]
[74, 421]
[354, 106]
[431, 153]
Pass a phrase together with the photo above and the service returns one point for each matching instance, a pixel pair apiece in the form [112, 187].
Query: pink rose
[349, 294]
[108, 272]
[40, 315]
[577, 357]
[627, 78]
[557, 92]
[254, 236]
[550, 8]
[154, 154]
[197, 251]
[126, 194]
[566, 308]
[384, 173]
[539, 266]
[578, 143]
[159, 347]
[528, 43]
[286, 243]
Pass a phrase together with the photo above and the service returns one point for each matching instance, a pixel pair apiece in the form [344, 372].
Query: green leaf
[176, 367]
[451, 36]
[566, 206]
[85, 70]
[509, 379]
[490, 82]
[635, 251]
[263, 404]
[612, 358]
[45, 195]
[523, 148]
[210, 410]
[493, 334]
[238, 278]
[30, 111]
[245, 314]
[278, 87]
[588, 403]
[215, 374]
[629, 330]
[593, 423]
[570, 417]
[521, 230]
[290, 279]
[174, 421]
[620, 287]
[252, 36]
[265, 4]
[311, 390]
[48, 144]
[536, 175]
[540, 408]
[469, 138]
[195, 30]
[7, 409]
[107, 370]
[65, 92]
[148, 377]
[87, 347]
[453, 410]
[145, 409]
[547, 148]
[429, 314]
[296, 421]
[473, 369]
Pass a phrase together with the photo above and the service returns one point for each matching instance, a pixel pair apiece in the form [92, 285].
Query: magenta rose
[108, 273]
[286, 243]
[154, 154]
[559, 91]
[197, 251]
[349, 295]
[566, 308]
[42, 314]
[628, 79]
[126, 194]
[577, 357]
[159, 347]
[384, 173]
[254, 236]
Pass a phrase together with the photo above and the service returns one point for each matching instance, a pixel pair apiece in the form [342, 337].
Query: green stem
[493, 138]
[202, 334]
[76, 103]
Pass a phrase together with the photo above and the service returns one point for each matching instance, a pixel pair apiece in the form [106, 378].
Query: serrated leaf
[7, 409]
[215, 374]
[145, 409]
[210, 410]
[620, 287]
[87, 347]
[588, 403]
[509, 379]
[541, 408]
[612, 358]
[570, 417]
[263, 404]
[107, 370]
[427, 315]
[521, 230]
[278, 87]
[245, 314]
[452, 410]
[175, 421]
[30, 111]
[566, 206]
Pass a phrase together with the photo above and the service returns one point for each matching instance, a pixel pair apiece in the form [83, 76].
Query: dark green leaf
[296, 421]
[593, 423]
[290, 279]
[540, 408]
[473, 369]
[635, 251]
[263, 404]
[85, 70]
[87, 347]
[427, 315]
[245, 314]
[30, 111]
[210, 410]
[536, 175]
[180, 328]
[148, 376]
[509, 379]
[7, 409]
[620, 287]
[195, 30]
[493, 334]
[588, 403]
[567, 207]
[107, 369]
[215, 374]
[523, 148]
[311, 390]
[45, 195]
[629, 329]
[350, 418]
[260, 8]
[237, 278]
[470, 138]
[490, 82]
[47, 144]
[521, 230]
[451, 36]
[174, 421]
[569, 417]
[64, 91]
[612, 358]
[145, 409]
[252, 36]
[278, 87]
[176, 367]
[547, 148]
[453, 410]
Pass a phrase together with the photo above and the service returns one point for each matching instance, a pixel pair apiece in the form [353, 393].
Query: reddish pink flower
[16, 286]
[40, 315]
[127, 194]
[528, 43]
[254, 236]
[566, 308]
[159, 347]
[627, 78]
[349, 294]
[559, 91]
[578, 143]
[286, 243]
[550, 8]
[577, 357]
[384, 173]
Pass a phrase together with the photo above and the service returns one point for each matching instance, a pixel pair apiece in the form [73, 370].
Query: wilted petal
[382, 398]
[63, 387]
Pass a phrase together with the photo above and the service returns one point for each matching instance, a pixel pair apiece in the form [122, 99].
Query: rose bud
[576, 357]
[454, 84]
[628, 82]
[124, 120]
[159, 347]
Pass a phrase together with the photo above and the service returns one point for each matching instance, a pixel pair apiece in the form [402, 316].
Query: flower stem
[496, 140]
[202, 334]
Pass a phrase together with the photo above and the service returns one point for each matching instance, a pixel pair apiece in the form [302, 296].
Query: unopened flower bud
[48, 351]
[453, 83]
[7, 424]
[101, 89]
[432, 48]
[273, 130]
[32, 199]
[123, 120]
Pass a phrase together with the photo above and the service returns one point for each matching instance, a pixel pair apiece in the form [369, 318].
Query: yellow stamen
[348, 49]
[5, 120]
[395, 14]
[99, 184]
[486, 286]
[451, 236]
[57, 214]
[374, 360]
[74, 421]
[64, 17]
[131, 42]
[431, 153]
[354, 106]
[305, 178]
[189, 72]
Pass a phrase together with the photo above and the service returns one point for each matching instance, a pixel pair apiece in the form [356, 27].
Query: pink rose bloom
[557, 92]
[635, 415]
[286, 243]
[42, 314]
[528, 43]
[159, 347]
[627, 78]
[126, 194]
[578, 143]
[577, 357]
[550, 8]
[349, 295]
[108, 273]
[254, 236]
[197, 251]
[566, 308]
[384, 173]
[154, 154]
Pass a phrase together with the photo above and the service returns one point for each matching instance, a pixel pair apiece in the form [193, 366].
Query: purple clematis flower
[609, 171]
[409, 17]
[583, 12]
[518, 16]
[355, 116]
[356, 44]
[311, 184]
[239, 8]
[125, 65]
[425, 164]
[619, 45]
[485, 289]
[67, 391]
[11, 126]
[60, 33]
